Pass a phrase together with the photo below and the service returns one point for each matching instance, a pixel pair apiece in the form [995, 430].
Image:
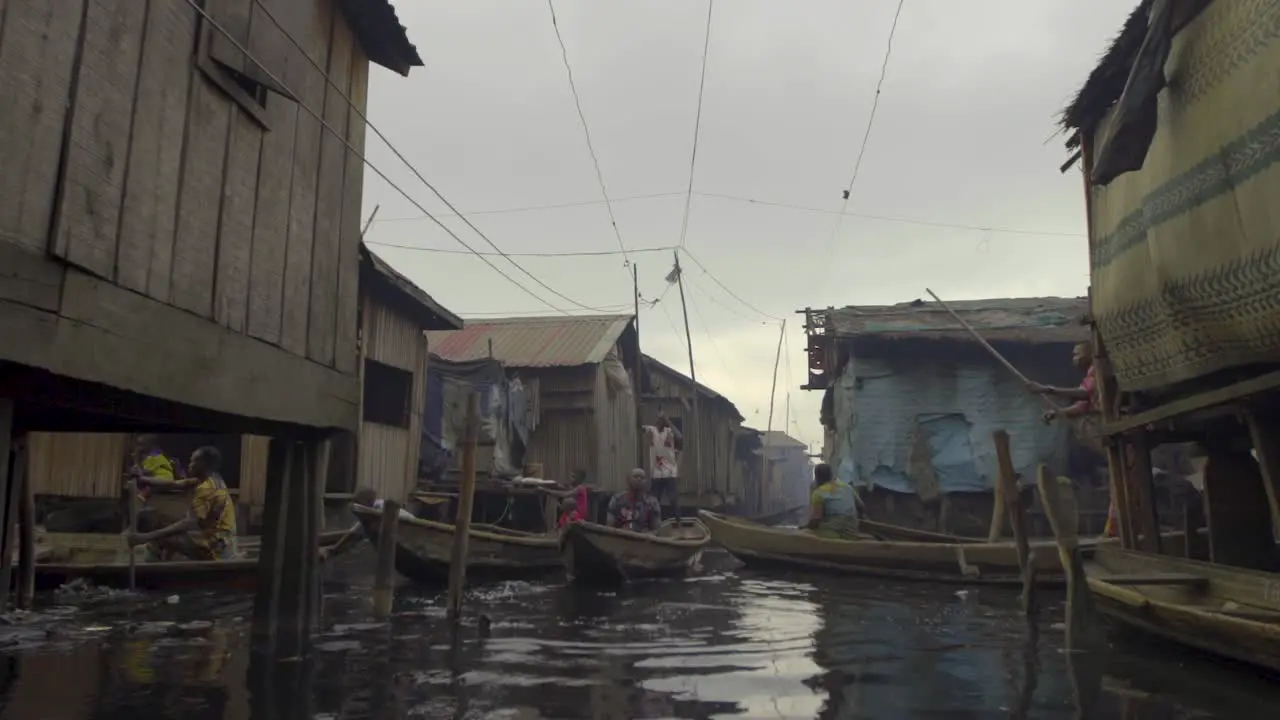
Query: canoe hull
[424, 551]
[1192, 616]
[976, 563]
[79, 560]
[595, 554]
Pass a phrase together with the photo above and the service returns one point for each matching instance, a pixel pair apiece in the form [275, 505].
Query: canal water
[727, 644]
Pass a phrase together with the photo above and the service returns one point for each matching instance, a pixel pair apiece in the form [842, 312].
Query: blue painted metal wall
[955, 406]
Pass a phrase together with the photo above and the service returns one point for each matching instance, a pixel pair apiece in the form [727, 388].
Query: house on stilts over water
[179, 232]
[1177, 131]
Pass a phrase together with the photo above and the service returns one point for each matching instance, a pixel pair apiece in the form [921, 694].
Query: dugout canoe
[598, 554]
[424, 549]
[958, 562]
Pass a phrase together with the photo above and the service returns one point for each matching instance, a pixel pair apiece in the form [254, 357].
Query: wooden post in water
[26, 529]
[1007, 490]
[462, 523]
[384, 570]
[132, 490]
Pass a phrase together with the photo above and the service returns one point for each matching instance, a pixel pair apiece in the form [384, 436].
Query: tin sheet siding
[897, 398]
[615, 414]
[565, 441]
[393, 339]
[534, 342]
[383, 454]
[253, 469]
[77, 464]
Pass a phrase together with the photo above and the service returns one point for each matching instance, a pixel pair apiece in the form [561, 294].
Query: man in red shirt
[1086, 402]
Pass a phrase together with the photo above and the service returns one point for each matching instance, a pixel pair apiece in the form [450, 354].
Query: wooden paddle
[1085, 638]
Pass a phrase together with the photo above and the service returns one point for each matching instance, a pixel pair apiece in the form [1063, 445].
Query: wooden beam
[1140, 479]
[1266, 443]
[115, 337]
[6, 551]
[1235, 392]
[1198, 581]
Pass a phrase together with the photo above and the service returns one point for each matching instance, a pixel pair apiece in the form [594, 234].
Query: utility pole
[693, 375]
[773, 388]
[639, 368]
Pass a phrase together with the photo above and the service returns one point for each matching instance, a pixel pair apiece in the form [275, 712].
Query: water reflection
[725, 645]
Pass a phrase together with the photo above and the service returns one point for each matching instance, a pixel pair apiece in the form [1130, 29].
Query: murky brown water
[731, 645]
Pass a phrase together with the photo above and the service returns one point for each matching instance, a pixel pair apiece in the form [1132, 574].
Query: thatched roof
[1107, 81]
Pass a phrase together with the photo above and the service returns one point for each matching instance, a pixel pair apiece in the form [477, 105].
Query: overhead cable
[577, 102]
[697, 126]
[399, 155]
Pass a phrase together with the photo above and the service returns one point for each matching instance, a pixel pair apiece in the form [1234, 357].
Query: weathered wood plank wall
[135, 157]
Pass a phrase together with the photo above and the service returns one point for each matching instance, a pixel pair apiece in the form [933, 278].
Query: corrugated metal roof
[531, 342]
[384, 40]
[1033, 320]
[426, 311]
[778, 438]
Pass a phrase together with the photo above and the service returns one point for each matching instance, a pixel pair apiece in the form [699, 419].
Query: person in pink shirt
[1085, 396]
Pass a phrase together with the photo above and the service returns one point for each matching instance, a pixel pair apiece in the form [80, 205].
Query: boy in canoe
[833, 506]
[635, 509]
[365, 497]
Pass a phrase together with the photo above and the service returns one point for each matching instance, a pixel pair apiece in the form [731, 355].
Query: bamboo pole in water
[384, 570]
[27, 530]
[462, 522]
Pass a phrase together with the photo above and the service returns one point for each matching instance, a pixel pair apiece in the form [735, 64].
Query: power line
[871, 119]
[731, 293]
[577, 102]
[608, 309]
[567, 254]
[697, 126]
[195, 4]
[706, 329]
[531, 208]
[890, 218]
[396, 151]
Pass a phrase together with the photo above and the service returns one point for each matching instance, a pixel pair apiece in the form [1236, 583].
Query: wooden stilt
[271, 560]
[385, 569]
[8, 502]
[462, 523]
[1265, 435]
[299, 556]
[321, 452]
[1007, 487]
[26, 527]
[1142, 482]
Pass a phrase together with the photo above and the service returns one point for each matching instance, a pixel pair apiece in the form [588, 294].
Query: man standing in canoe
[1084, 409]
[833, 506]
[664, 441]
[635, 509]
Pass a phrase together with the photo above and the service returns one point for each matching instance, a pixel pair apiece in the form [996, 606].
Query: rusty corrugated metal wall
[77, 464]
[388, 456]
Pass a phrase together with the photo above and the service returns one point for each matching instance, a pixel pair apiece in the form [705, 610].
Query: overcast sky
[964, 136]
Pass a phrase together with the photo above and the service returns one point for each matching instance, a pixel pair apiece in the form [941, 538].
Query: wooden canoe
[96, 558]
[776, 518]
[1226, 611]
[600, 554]
[970, 562]
[424, 549]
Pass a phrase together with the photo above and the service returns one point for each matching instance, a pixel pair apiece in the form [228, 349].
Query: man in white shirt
[664, 442]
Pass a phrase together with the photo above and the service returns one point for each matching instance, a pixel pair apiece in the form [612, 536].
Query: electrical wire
[566, 254]
[577, 102]
[871, 119]
[890, 218]
[532, 208]
[706, 330]
[395, 151]
[697, 126]
[724, 287]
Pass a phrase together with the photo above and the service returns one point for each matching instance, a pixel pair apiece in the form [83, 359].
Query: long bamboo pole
[693, 375]
[462, 522]
[773, 389]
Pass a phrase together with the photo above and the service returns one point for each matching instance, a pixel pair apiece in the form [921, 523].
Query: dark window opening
[387, 391]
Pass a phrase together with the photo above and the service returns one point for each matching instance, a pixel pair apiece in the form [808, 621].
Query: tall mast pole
[773, 388]
[693, 375]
